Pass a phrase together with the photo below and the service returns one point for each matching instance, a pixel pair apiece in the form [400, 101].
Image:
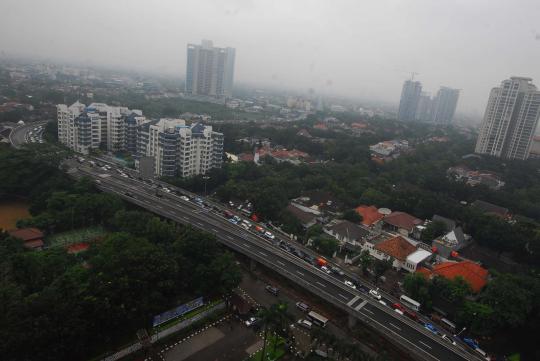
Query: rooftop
[348, 229]
[402, 220]
[370, 214]
[473, 273]
[490, 208]
[418, 256]
[303, 216]
[26, 234]
[396, 247]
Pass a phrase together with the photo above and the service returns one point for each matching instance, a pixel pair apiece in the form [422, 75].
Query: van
[302, 306]
[305, 324]
[272, 290]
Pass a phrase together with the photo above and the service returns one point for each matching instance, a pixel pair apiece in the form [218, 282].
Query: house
[32, 237]
[307, 219]
[474, 274]
[401, 222]
[396, 248]
[451, 242]
[346, 232]
[415, 259]
[370, 215]
[491, 209]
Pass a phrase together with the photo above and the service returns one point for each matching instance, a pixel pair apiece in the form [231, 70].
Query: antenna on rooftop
[413, 73]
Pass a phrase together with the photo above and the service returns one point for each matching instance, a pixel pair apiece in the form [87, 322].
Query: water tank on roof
[385, 211]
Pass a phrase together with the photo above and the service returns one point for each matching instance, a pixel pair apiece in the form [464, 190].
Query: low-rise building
[474, 274]
[346, 232]
[307, 217]
[451, 242]
[396, 248]
[491, 209]
[370, 215]
[401, 222]
[32, 237]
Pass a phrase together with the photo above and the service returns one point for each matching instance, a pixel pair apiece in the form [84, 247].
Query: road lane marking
[199, 223]
[345, 297]
[247, 245]
[215, 230]
[368, 311]
[264, 254]
[320, 284]
[356, 298]
[428, 346]
[394, 326]
[357, 308]
[281, 263]
[300, 273]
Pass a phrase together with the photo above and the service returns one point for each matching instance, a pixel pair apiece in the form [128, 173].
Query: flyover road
[17, 137]
[411, 336]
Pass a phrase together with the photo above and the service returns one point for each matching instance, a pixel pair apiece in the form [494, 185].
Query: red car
[412, 315]
[397, 306]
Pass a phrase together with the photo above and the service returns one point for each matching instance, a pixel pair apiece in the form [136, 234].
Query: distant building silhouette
[444, 105]
[209, 70]
[510, 119]
[410, 96]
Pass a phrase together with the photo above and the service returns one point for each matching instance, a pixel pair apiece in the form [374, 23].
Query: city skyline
[301, 54]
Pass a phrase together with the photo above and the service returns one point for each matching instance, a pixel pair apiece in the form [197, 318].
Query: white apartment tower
[209, 70]
[510, 119]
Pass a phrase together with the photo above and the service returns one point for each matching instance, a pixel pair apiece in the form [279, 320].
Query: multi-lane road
[412, 336]
[19, 135]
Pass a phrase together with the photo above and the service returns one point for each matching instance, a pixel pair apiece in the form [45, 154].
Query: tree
[352, 216]
[381, 266]
[477, 317]
[417, 286]
[326, 245]
[365, 261]
[433, 230]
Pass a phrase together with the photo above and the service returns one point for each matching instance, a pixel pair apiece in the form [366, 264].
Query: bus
[409, 302]
[317, 319]
[449, 325]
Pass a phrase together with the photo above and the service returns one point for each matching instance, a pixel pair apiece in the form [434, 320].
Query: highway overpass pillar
[252, 265]
[352, 321]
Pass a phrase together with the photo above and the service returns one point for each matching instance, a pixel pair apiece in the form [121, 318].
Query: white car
[375, 294]
[350, 284]
[184, 198]
[269, 235]
[446, 338]
[382, 303]
[326, 270]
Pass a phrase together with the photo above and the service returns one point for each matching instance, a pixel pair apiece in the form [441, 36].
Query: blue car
[471, 343]
[430, 327]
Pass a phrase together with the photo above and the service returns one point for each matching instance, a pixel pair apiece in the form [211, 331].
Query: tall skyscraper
[444, 105]
[410, 96]
[424, 110]
[209, 70]
[510, 119]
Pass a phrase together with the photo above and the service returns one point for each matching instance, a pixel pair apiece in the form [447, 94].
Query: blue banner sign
[177, 311]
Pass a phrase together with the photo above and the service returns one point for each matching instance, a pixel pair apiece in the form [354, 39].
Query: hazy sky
[359, 48]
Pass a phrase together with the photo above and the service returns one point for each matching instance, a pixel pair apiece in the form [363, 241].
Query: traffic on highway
[319, 276]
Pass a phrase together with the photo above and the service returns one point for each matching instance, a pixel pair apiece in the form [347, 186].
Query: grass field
[272, 340]
[76, 236]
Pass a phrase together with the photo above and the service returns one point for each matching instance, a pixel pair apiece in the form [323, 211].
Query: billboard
[177, 311]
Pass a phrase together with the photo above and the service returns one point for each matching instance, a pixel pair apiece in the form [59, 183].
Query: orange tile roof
[370, 214]
[396, 247]
[26, 234]
[78, 247]
[424, 271]
[473, 273]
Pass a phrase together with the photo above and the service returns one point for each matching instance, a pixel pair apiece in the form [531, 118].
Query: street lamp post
[205, 179]
[459, 333]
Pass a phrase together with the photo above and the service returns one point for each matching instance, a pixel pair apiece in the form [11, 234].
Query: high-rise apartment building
[410, 96]
[98, 125]
[424, 110]
[510, 119]
[209, 70]
[444, 105]
[179, 149]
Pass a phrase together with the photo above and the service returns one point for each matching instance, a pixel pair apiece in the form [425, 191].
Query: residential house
[474, 274]
[401, 222]
[370, 215]
[307, 218]
[415, 259]
[32, 237]
[396, 248]
[451, 242]
[491, 209]
[346, 232]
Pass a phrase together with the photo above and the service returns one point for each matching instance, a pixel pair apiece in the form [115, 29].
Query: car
[237, 219]
[375, 294]
[398, 306]
[337, 271]
[269, 235]
[363, 288]
[383, 303]
[259, 229]
[124, 175]
[471, 343]
[430, 327]
[245, 225]
[252, 321]
[305, 323]
[233, 221]
[302, 306]
[184, 198]
[350, 284]
[272, 290]
[411, 314]
[398, 311]
[326, 270]
[231, 204]
[246, 222]
[448, 339]
[228, 214]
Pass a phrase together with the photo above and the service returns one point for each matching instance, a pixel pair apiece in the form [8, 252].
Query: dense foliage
[62, 306]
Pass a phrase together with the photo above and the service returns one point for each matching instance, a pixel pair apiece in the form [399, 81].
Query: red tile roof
[370, 214]
[473, 273]
[396, 247]
[34, 244]
[26, 234]
[402, 220]
[78, 247]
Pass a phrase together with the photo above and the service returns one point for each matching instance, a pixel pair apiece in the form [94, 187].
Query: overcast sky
[359, 48]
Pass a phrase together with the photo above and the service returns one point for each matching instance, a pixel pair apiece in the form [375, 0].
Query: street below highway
[411, 335]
